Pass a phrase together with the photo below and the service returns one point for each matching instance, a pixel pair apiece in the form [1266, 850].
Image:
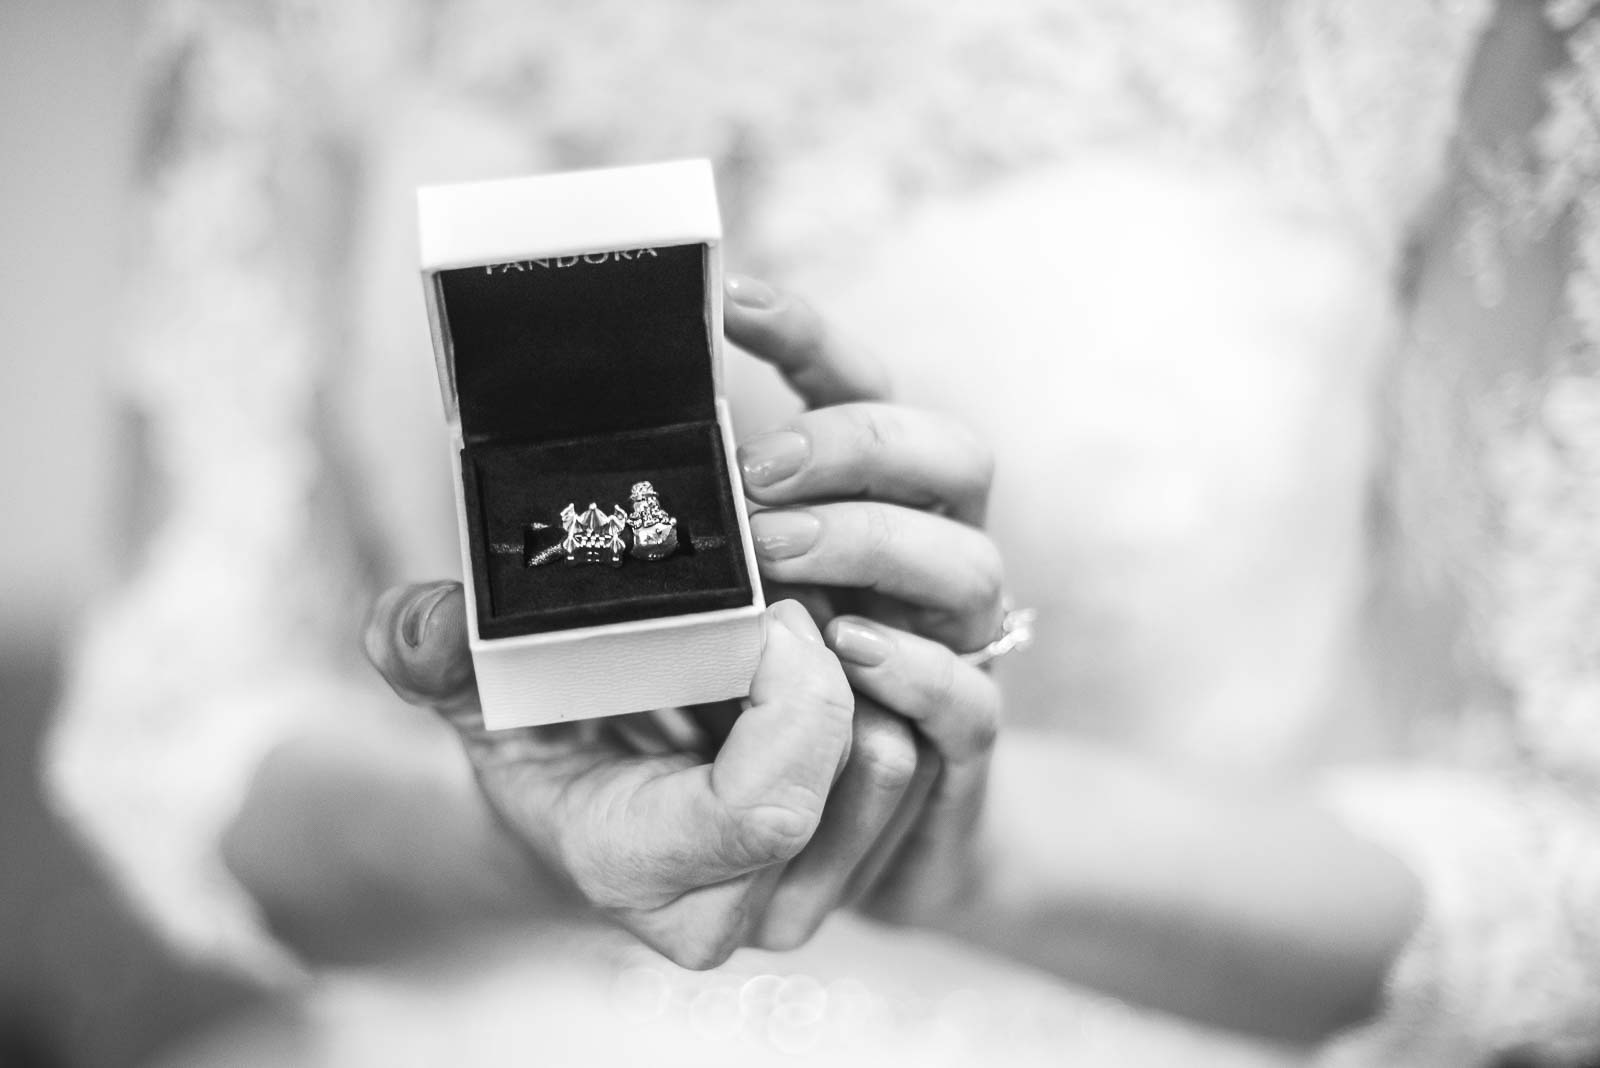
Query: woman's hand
[860, 496]
[688, 853]
[876, 507]
[634, 811]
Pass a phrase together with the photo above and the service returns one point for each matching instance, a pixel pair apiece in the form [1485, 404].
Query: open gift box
[577, 327]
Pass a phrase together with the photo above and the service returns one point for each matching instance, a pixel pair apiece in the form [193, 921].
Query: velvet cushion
[512, 485]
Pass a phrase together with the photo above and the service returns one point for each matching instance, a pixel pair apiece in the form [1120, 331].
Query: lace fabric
[1503, 963]
[1506, 962]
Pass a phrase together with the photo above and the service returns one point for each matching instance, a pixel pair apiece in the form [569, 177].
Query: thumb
[416, 637]
[761, 799]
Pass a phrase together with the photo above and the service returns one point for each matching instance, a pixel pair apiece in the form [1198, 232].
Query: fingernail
[414, 624]
[773, 457]
[749, 293]
[793, 615]
[780, 535]
[859, 644]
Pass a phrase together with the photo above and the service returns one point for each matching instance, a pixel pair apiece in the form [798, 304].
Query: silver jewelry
[655, 533]
[593, 537]
[1016, 633]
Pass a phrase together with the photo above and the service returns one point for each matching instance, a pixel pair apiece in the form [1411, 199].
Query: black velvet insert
[572, 346]
[510, 484]
[578, 376]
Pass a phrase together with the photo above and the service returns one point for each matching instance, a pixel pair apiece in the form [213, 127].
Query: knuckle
[773, 833]
[607, 886]
[971, 719]
[887, 755]
[605, 878]
[876, 428]
[990, 568]
[984, 728]
[986, 582]
[878, 533]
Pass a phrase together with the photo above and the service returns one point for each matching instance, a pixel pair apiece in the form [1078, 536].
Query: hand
[861, 496]
[687, 852]
[877, 507]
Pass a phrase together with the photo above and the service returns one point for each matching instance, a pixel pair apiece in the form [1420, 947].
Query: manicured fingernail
[793, 615]
[749, 293]
[780, 535]
[414, 624]
[773, 457]
[859, 644]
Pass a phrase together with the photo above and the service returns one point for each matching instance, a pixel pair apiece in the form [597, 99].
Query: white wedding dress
[1164, 254]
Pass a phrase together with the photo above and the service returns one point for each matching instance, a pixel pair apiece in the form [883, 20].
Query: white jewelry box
[577, 328]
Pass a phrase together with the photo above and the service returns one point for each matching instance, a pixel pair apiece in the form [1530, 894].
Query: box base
[625, 668]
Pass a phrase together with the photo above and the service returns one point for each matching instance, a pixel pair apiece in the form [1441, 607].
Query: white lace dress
[277, 371]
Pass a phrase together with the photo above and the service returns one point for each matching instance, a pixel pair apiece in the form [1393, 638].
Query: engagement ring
[1016, 633]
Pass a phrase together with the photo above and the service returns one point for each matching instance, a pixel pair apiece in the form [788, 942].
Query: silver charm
[593, 537]
[655, 533]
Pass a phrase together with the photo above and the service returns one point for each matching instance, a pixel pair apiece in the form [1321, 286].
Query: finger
[891, 842]
[785, 332]
[882, 765]
[757, 804]
[950, 570]
[934, 872]
[416, 636]
[876, 451]
[956, 707]
[954, 704]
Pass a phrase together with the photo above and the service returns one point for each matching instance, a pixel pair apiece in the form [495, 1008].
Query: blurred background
[80, 982]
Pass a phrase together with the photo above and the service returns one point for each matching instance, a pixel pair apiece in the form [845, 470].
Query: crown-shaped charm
[655, 533]
[593, 537]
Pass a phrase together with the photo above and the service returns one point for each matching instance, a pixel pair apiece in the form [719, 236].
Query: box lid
[575, 304]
